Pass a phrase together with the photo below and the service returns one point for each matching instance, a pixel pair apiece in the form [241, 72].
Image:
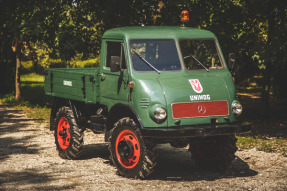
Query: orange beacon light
[184, 16]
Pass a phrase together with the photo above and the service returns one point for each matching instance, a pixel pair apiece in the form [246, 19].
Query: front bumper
[196, 130]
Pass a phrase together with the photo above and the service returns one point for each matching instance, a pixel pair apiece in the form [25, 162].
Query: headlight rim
[152, 111]
[157, 111]
[237, 108]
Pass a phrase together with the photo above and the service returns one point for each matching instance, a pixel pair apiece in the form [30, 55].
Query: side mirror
[115, 64]
[231, 61]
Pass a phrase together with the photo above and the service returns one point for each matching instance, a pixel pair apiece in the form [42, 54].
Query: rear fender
[78, 109]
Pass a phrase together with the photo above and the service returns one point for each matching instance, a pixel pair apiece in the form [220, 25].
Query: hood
[195, 99]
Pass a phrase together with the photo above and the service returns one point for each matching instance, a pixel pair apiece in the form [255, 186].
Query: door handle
[102, 76]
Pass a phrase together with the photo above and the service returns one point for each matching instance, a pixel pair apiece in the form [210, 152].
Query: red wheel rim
[127, 149]
[63, 133]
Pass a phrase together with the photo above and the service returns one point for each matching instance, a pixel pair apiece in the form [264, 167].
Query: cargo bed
[81, 84]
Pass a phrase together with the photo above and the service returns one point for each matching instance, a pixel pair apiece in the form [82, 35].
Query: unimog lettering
[199, 97]
[67, 83]
[140, 96]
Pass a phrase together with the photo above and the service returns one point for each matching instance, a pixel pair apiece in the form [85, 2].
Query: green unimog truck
[155, 85]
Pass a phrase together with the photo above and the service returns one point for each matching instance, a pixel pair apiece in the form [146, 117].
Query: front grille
[200, 109]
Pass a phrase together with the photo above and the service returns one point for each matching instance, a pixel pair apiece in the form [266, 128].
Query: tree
[268, 20]
[19, 22]
[17, 47]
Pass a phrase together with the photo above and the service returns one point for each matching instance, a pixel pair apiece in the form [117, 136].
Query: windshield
[200, 54]
[162, 55]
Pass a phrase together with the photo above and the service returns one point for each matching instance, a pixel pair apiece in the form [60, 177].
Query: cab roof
[156, 32]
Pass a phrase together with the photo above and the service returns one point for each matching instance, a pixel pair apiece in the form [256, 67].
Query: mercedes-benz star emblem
[201, 109]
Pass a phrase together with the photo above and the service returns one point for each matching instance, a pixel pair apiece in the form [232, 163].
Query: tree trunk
[17, 81]
[17, 47]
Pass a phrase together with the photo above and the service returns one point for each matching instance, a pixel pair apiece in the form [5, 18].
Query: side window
[115, 49]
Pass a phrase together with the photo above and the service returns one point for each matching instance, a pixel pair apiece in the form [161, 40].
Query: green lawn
[33, 102]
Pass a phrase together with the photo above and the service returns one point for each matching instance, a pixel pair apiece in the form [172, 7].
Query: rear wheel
[133, 157]
[214, 153]
[68, 136]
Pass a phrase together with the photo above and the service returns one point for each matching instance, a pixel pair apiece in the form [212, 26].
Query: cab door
[114, 85]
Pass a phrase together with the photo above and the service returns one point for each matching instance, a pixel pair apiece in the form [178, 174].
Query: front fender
[119, 111]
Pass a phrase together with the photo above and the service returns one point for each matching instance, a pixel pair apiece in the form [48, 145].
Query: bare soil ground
[29, 161]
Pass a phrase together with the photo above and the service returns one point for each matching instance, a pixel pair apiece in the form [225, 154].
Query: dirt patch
[29, 161]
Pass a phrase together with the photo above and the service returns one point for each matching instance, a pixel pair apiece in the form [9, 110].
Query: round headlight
[236, 108]
[159, 114]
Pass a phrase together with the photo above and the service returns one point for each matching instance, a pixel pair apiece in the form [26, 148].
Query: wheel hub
[63, 133]
[126, 150]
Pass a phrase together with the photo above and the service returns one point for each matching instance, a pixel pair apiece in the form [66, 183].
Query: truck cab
[154, 85]
[174, 78]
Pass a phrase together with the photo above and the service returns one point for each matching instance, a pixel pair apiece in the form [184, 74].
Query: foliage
[86, 63]
[28, 67]
[57, 32]
[254, 30]
[33, 102]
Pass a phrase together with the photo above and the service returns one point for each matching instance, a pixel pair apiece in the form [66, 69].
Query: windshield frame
[218, 50]
[157, 39]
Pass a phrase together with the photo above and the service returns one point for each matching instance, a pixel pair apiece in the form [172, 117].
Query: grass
[33, 102]
[267, 144]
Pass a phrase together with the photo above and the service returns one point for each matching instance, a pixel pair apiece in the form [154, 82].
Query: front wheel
[133, 157]
[214, 153]
[68, 136]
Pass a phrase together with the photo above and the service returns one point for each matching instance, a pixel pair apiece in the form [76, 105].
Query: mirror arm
[231, 61]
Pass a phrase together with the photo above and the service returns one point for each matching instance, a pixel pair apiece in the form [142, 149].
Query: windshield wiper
[196, 61]
[145, 61]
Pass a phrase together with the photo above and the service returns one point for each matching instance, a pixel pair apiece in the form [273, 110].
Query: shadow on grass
[8, 115]
[33, 83]
[36, 96]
